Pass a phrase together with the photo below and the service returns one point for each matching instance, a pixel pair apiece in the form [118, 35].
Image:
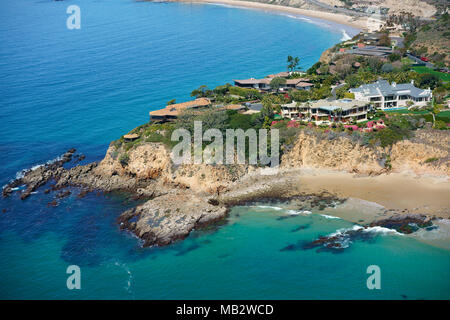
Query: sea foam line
[20, 174]
[345, 35]
[329, 217]
[376, 229]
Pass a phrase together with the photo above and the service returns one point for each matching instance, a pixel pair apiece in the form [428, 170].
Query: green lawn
[443, 116]
[403, 111]
[443, 76]
[407, 61]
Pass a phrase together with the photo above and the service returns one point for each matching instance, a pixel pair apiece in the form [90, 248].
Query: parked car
[424, 59]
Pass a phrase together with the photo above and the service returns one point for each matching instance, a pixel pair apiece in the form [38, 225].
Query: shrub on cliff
[388, 137]
[240, 121]
[245, 92]
[211, 119]
[398, 128]
[124, 158]
[441, 125]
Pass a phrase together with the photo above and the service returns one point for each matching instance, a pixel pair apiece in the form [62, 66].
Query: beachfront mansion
[327, 111]
[385, 96]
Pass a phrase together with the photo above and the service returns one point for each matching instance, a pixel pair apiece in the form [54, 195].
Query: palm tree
[289, 61]
[434, 109]
[308, 114]
[292, 63]
[338, 112]
[295, 63]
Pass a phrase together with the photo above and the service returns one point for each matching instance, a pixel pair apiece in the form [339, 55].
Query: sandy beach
[399, 192]
[396, 191]
[358, 23]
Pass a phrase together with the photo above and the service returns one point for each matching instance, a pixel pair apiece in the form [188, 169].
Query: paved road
[427, 64]
[341, 10]
[333, 91]
[351, 12]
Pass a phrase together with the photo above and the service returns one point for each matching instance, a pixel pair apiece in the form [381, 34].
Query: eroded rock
[170, 217]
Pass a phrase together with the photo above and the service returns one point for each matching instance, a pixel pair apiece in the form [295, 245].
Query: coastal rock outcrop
[185, 197]
[170, 217]
[404, 223]
[342, 239]
[38, 176]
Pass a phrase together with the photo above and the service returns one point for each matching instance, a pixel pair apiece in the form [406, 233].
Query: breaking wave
[269, 207]
[345, 35]
[376, 229]
[329, 217]
[20, 174]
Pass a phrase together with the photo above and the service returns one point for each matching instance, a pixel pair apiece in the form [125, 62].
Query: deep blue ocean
[63, 88]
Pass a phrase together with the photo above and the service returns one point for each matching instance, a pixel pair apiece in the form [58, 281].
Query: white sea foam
[345, 35]
[440, 232]
[269, 207]
[382, 230]
[344, 230]
[376, 229]
[329, 217]
[297, 17]
[317, 22]
[130, 276]
[21, 173]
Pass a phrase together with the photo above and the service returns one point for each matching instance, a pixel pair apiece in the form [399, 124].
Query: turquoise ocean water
[63, 88]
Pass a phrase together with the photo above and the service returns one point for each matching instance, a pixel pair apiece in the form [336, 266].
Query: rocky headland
[179, 199]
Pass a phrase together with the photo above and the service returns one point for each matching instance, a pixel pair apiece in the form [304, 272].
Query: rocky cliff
[426, 153]
[182, 198]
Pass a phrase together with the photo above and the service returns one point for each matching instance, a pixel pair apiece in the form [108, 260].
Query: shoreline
[396, 192]
[355, 23]
[397, 196]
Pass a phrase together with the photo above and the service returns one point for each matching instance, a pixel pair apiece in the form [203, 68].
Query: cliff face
[426, 153]
[339, 153]
[146, 161]
[326, 56]
[152, 161]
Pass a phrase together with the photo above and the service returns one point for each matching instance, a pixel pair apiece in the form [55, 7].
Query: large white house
[384, 96]
[327, 111]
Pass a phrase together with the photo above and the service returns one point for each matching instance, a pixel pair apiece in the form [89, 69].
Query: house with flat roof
[172, 111]
[264, 84]
[392, 96]
[370, 51]
[327, 111]
[283, 74]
